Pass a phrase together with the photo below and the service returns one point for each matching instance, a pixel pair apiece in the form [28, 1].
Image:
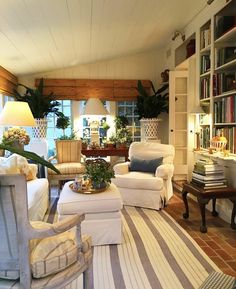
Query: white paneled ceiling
[43, 35]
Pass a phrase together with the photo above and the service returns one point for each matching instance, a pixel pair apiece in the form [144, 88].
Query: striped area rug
[156, 253]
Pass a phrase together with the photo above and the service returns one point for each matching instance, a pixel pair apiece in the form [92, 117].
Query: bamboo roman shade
[8, 81]
[82, 89]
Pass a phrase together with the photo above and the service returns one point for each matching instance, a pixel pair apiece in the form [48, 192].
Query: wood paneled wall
[8, 81]
[82, 89]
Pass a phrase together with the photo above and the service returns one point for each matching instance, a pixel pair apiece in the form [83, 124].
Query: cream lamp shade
[17, 113]
[94, 107]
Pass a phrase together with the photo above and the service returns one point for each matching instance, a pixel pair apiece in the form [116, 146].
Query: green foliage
[121, 121]
[72, 136]
[105, 126]
[29, 155]
[99, 171]
[124, 136]
[112, 139]
[151, 106]
[62, 121]
[41, 105]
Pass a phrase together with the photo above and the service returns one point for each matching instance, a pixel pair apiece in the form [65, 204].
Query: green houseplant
[40, 104]
[149, 107]
[99, 172]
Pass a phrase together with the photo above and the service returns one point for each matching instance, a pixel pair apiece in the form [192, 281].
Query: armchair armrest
[165, 171]
[57, 228]
[52, 158]
[83, 158]
[121, 169]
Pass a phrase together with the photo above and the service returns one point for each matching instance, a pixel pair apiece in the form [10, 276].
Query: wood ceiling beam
[82, 89]
[8, 82]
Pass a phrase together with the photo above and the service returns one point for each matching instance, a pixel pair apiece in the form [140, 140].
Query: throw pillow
[16, 164]
[148, 166]
[9, 165]
[52, 254]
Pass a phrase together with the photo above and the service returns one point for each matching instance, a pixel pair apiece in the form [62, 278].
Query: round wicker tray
[88, 191]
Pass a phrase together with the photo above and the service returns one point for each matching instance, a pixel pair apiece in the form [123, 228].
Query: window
[52, 131]
[127, 108]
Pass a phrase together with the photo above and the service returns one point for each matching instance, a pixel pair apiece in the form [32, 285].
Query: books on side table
[208, 174]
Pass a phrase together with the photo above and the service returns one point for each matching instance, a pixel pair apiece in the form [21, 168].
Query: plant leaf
[30, 155]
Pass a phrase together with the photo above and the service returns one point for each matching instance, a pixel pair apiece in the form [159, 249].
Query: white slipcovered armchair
[142, 188]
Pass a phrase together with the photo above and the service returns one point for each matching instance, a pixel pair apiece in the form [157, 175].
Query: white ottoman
[102, 213]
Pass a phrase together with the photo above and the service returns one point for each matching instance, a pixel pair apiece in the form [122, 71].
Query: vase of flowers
[16, 137]
[99, 172]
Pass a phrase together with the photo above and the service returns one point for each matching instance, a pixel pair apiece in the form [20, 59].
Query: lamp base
[198, 147]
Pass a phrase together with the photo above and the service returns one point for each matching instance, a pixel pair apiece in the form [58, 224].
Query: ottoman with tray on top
[102, 213]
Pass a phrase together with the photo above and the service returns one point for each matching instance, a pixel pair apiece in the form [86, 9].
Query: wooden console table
[204, 196]
[105, 152]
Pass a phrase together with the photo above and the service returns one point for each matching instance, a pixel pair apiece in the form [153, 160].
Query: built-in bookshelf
[205, 60]
[224, 75]
[217, 75]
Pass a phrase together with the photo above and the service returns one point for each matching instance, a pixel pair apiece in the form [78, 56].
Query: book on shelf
[205, 63]
[224, 82]
[225, 55]
[225, 110]
[205, 87]
[224, 24]
[205, 37]
[205, 137]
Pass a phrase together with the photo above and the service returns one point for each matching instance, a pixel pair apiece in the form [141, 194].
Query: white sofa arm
[165, 171]
[121, 169]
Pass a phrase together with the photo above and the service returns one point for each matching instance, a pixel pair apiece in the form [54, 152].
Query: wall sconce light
[178, 33]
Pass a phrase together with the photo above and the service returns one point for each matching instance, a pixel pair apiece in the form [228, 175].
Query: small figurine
[77, 184]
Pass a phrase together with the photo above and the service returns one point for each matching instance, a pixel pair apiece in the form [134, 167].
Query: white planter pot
[40, 130]
[149, 129]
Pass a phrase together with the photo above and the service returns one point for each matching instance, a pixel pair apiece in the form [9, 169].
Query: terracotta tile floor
[219, 242]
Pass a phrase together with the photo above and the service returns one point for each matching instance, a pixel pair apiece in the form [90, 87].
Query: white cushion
[53, 254]
[152, 150]
[9, 165]
[74, 203]
[16, 164]
[36, 189]
[138, 180]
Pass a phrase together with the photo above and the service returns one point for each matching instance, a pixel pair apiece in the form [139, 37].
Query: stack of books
[208, 174]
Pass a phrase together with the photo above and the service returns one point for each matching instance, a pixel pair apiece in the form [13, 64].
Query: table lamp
[16, 113]
[94, 108]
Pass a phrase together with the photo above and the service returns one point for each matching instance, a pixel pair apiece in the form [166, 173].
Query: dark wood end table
[204, 196]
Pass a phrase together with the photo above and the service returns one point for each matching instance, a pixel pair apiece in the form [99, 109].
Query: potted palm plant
[41, 106]
[149, 107]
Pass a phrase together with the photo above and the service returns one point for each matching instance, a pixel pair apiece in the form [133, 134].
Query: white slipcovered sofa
[37, 188]
[145, 181]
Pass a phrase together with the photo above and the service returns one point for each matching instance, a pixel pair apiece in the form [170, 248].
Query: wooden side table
[204, 196]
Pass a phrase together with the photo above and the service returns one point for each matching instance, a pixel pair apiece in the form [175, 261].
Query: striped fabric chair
[68, 155]
[22, 264]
